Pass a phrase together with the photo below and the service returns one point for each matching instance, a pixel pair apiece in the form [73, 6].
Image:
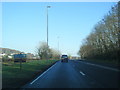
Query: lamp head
[48, 6]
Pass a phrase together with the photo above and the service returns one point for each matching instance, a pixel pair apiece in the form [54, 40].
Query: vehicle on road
[64, 58]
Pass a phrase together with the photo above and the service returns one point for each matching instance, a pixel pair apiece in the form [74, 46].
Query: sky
[24, 24]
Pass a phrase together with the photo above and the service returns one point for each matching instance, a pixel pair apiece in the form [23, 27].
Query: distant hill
[9, 51]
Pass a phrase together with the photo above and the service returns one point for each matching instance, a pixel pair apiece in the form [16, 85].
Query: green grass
[13, 77]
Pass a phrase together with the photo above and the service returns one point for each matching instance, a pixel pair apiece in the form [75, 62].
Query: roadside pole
[47, 32]
[20, 61]
[58, 48]
[20, 64]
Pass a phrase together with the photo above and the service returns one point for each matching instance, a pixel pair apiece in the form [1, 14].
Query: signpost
[20, 62]
[20, 58]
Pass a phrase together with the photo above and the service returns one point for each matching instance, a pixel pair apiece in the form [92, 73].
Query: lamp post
[58, 44]
[47, 30]
[58, 49]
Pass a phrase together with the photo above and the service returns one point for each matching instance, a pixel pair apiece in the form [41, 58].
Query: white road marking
[104, 67]
[82, 73]
[43, 73]
[109, 68]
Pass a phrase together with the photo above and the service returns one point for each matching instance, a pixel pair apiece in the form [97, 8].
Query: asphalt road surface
[76, 74]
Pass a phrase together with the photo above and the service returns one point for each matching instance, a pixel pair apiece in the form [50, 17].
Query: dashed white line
[42, 74]
[82, 73]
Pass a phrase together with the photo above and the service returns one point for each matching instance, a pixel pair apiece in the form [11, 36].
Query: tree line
[104, 40]
[45, 52]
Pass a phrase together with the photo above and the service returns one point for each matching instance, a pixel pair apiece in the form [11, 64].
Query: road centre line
[43, 73]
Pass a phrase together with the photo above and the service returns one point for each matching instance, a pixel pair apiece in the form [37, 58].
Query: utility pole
[47, 31]
[58, 47]
[58, 44]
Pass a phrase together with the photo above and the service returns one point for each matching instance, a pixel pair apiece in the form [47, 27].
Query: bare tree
[104, 41]
[44, 52]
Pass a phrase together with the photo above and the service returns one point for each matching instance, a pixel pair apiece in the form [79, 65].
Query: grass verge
[13, 77]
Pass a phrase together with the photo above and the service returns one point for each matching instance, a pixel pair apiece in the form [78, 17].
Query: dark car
[64, 58]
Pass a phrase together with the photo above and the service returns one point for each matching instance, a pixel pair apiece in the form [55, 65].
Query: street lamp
[58, 48]
[58, 44]
[47, 29]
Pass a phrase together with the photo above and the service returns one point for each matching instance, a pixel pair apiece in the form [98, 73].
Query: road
[76, 74]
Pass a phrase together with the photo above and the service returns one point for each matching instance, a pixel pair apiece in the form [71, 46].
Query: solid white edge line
[43, 73]
[82, 73]
[102, 66]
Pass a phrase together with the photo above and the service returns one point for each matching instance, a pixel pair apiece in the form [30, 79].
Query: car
[64, 58]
